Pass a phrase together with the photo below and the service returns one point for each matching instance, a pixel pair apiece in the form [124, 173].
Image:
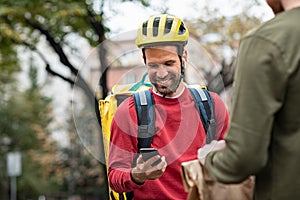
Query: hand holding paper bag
[213, 146]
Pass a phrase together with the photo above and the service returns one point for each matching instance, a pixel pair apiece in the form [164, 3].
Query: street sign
[14, 166]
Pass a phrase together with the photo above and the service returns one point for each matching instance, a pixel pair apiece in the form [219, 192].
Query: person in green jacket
[264, 134]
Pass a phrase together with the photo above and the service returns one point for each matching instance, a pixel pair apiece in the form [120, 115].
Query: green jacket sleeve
[258, 94]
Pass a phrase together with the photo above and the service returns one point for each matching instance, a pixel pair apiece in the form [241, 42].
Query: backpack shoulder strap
[144, 105]
[205, 107]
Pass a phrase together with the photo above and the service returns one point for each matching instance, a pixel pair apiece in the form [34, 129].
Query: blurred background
[58, 58]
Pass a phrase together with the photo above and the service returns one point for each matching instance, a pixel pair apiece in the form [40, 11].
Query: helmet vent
[145, 28]
[181, 29]
[155, 26]
[168, 25]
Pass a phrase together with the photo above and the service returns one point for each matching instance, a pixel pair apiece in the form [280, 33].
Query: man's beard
[168, 85]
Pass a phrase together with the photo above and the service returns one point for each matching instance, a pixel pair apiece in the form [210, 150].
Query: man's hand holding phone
[150, 165]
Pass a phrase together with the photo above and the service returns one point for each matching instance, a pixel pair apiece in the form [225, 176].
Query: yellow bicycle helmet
[162, 29]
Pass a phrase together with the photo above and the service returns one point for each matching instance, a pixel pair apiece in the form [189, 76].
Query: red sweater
[179, 135]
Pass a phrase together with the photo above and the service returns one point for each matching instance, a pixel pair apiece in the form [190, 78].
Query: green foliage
[24, 116]
[33, 182]
[77, 173]
[19, 21]
[21, 113]
[47, 170]
[228, 30]
[8, 60]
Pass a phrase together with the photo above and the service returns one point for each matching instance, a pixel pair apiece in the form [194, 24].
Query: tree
[26, 23]
[221, 35]
[24, 119]
[7, 83]
[76, 171]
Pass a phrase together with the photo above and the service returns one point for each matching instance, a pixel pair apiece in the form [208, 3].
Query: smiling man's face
[164, 69]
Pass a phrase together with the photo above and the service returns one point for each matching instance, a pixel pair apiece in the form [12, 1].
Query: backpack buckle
[143, 128]
[212, 121]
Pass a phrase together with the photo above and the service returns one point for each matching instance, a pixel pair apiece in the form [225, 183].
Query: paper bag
[200, 186]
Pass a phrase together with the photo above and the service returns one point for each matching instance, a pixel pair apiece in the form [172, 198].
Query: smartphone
[148, 153]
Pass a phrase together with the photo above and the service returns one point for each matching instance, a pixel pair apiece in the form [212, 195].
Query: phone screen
[148, 153]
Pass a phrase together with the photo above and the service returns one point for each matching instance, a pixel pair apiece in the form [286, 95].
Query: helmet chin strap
[183, 65]
[181, 74]
[182, 70]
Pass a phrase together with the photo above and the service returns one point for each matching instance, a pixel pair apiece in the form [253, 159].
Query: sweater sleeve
[123, 148]
[256, 99]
